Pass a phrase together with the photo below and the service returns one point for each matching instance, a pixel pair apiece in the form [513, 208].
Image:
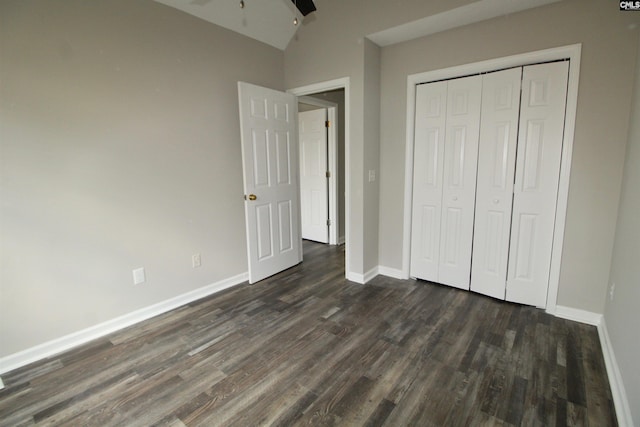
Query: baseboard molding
[391, 272]
[370, 274]
[618, 392]
[341, 240]
[56, 346]
[577, 315]
[362, 278]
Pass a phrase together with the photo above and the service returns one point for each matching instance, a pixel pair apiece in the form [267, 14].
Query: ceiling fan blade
[304, 6]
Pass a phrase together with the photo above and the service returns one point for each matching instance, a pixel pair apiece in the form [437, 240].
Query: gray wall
[331, 44]
[120, 148]
[606, 80]
[371, 153]
[622, 316]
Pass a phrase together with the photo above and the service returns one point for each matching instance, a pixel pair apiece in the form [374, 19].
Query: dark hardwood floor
[306, 347]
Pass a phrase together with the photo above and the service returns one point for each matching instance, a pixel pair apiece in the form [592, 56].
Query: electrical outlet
[196, 261]
[138, 276]
[612, 289]
[372, 175]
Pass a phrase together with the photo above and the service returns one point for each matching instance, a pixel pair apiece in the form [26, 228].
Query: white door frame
[571, 52]
[342, 83]
[332, 165]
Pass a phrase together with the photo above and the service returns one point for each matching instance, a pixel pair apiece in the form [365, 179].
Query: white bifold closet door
[540, 136]
[491, 232]
[496, 169]
[518, 179]
[445, 162]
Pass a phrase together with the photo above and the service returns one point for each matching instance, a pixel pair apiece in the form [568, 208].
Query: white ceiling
[271, 21]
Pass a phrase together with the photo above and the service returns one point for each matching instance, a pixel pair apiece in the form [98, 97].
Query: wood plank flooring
[307, 347]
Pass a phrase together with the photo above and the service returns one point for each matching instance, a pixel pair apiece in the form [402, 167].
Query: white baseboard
[1, 384]
[618, 392]
[58, 345]
[362, 278]
[356, 277]
[341, 240]
[391, 272]
[577, 315]
[370, 274]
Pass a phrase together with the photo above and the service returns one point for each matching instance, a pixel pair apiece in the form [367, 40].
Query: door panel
[284, 160]
[431, 112]
[270, 169]
[544, 89]
[496, 169]
[313, 180]
[451, 236]
[459, 183]
[285, 213]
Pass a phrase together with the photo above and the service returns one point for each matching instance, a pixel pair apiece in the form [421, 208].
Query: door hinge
[327, 123]
[328, 222]
[327, 174]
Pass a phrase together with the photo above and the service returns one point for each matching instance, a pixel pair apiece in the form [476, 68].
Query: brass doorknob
[252, 197]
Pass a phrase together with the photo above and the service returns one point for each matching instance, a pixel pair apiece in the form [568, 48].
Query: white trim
[341, 83]
[582, 316]
[58, 345]
[334, 178]
[370, 274]
[391, 272]
[355, 277]
[1, 384]
[316, 102]
[363, 278]
[618, 392]
[574, 55]
[477, 11]
[572, 52]
[332, 155]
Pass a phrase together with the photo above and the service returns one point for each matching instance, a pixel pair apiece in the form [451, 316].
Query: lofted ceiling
[271, 21]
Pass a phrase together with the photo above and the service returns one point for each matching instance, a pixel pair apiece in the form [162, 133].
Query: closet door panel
[544, 89]
[431, 110]
[459, 180]
[496, 169]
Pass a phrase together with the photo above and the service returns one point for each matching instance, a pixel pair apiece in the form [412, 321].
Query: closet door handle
[455, 198]
[496, 201]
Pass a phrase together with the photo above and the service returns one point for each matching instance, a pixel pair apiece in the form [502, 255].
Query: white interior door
[459, 180]
[494, 188]
[314, 196]
[268, 120]
[431, 116]
[542, 111]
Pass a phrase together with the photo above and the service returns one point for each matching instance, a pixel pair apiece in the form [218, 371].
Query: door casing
[341, 83]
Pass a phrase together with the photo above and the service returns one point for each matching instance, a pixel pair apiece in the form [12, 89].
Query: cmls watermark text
[630, 5]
